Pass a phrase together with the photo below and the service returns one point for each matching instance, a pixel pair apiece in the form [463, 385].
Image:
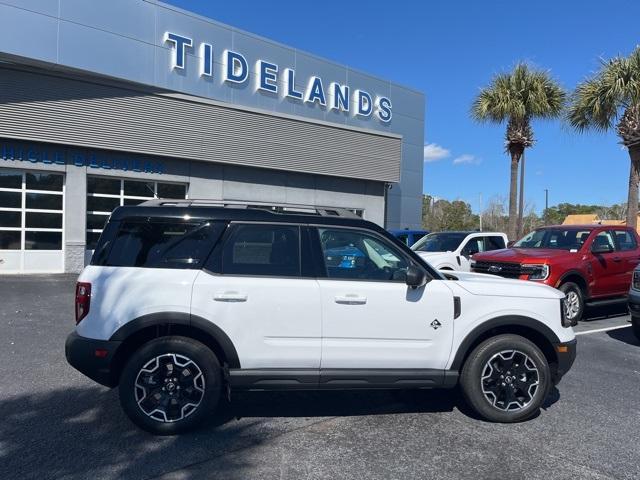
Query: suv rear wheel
[506, 378]
[170, 385]
[573, 302]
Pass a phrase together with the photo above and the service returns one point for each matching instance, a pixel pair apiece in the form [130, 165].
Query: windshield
[440, 242]
[557, 238]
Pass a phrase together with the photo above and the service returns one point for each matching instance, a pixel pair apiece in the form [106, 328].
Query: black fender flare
[576, 273]
[185, 319]
[504, 321]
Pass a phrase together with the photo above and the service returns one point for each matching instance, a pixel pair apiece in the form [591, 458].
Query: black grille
[507, 270]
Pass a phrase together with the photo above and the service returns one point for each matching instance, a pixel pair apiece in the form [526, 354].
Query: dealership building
[108, 103]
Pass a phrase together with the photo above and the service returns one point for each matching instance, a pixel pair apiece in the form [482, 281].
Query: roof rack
[284, 208]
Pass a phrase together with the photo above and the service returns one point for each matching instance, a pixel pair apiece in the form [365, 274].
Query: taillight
[83, 300]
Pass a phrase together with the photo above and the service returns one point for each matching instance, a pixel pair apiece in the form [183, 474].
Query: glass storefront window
[105, 194]
[29, 218]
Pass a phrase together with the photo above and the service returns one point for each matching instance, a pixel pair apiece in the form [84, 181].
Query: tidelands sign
[271, 79]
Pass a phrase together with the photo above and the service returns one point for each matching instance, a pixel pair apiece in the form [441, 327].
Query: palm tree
[517, 97]
[611, 97]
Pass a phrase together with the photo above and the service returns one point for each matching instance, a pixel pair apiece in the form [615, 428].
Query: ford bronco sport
[187, 300]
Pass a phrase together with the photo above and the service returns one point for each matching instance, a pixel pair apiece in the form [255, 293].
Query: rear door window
[625, 240]
[157, 243]
[263, 250]
[493, 243]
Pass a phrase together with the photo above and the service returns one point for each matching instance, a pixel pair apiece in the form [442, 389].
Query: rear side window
[493, 243]
[626, 241]
[269, 250]
[157, 244]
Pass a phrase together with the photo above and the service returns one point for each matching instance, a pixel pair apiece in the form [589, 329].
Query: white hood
[435, 257]
[492, 285]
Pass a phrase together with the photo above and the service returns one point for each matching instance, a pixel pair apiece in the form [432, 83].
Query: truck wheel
[506, 378]
[573, 303]
[635, 325]
[170, 385]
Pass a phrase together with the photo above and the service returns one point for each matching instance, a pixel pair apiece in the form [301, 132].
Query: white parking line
[596, 330]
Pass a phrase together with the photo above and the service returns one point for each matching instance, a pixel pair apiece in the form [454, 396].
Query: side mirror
[601, 249]
[416, 277]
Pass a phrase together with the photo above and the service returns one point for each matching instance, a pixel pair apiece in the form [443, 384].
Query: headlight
[636, 280]
[536, 272]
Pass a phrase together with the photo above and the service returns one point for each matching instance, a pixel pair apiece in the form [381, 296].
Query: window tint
[417, 237]
[604, 239]
[626, 241]
[262, 250]
[440, 242]
[473, 246]
[158, 244]
[356, 255]
[493, 243]
[557, 238]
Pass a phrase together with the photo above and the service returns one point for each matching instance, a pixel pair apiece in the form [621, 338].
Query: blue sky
[448, 50]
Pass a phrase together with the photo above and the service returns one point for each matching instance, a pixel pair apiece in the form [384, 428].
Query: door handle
[616, 259]
[351, 299]
[230, 297]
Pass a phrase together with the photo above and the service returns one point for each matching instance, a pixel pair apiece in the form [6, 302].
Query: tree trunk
[515, 151]
[634, 178]
[521, 200]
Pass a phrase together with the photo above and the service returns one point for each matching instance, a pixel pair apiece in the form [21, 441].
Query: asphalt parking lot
[55, 423]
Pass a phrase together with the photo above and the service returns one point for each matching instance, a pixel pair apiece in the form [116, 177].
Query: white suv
[185, 300]
[453, 250]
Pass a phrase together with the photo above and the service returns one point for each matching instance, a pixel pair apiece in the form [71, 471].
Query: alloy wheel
[510, 380]
[571, 305]
[169, 387]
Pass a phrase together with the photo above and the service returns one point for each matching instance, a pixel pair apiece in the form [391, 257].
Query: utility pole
[546, 204]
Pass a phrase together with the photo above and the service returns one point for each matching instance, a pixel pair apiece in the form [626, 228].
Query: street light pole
[480, 215]
[546, 205]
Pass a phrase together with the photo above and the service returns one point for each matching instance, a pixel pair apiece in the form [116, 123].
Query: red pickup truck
[589, 263]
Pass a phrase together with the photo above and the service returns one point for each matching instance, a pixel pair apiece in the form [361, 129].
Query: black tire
[569, 289]
[635, 326]
[515, 385]
[178, 378]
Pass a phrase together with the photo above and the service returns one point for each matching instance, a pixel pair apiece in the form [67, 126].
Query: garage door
[31, 222]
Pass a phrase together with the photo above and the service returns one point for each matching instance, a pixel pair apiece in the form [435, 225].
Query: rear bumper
[81, 355]
[566, 353]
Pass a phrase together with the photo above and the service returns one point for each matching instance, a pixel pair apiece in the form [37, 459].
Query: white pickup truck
[453, 250]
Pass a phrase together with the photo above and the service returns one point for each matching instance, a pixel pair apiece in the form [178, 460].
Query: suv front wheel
[506, 379]
[170, 385]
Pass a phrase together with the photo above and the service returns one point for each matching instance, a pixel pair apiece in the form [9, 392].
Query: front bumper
[633, 303]
[566, 353]
[93, 358]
